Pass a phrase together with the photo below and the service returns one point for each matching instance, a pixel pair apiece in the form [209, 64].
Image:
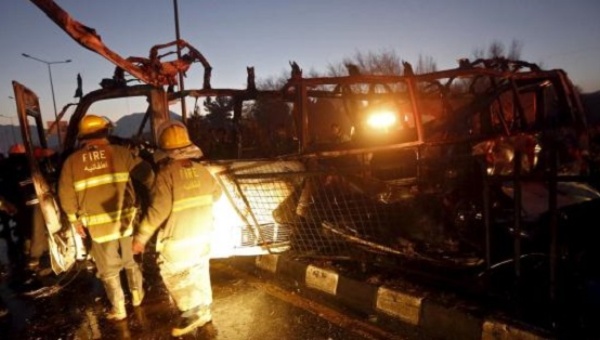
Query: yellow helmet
[174, 136]
[91, 124]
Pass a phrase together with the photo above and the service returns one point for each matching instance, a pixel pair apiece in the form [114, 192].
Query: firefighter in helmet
[96, 192]
[183, 195]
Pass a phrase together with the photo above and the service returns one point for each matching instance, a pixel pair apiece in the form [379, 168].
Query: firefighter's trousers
[112, 256]
[184, 268]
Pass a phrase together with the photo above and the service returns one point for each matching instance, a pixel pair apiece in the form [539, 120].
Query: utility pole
[177, 36]
[49, 64]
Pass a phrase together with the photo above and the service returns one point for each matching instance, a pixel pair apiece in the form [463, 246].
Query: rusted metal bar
[254, 226]
[517, 213]
[425, 77]
[553, 210]
[517, 102]
[158, 108]
[487, 220]
[149, 70]
[501, 115]
[86, 37]
[237, 116]
[303, 110]
[144, 121]
[28, 106]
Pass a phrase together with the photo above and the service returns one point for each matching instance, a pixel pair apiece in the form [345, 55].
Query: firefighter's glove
[80, 229]
[137, 247]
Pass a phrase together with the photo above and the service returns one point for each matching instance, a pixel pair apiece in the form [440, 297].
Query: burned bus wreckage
[474, 168]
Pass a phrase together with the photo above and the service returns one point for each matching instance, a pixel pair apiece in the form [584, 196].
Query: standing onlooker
[96, 191]
[183, 195]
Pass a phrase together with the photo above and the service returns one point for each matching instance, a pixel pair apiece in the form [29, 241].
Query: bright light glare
[227, 232]
[260, 201]
[382, 119]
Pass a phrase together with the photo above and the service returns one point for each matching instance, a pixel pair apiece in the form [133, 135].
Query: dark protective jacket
[181, 202]
[96, 188]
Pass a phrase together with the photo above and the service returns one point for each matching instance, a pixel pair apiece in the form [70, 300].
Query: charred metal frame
[499, 76]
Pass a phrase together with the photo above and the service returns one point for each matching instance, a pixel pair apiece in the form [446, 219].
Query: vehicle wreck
[472, 167]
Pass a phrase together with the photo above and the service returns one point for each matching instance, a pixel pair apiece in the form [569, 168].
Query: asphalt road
[245, 307]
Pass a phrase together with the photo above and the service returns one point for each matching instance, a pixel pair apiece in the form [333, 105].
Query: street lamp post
[49, 64]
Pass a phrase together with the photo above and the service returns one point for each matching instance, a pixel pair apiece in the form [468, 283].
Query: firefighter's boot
[115, 295]
[135, 281]
[191, 320]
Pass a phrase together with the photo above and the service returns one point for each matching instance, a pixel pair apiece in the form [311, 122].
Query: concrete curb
[440, 319]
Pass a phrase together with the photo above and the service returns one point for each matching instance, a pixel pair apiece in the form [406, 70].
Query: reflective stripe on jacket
[183, 195]
[96, 189]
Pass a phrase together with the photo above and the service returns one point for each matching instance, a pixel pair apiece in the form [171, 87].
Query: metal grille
[269, 234]
[332, 207]
[276, 201]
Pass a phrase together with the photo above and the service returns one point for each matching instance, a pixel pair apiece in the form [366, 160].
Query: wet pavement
[71, 305]
[247, 305]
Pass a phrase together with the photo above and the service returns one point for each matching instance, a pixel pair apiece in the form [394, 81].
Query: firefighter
[96, 192]
[181, 206]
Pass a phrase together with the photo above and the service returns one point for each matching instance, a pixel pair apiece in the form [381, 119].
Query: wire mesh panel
[338, 207]
[266, 196]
